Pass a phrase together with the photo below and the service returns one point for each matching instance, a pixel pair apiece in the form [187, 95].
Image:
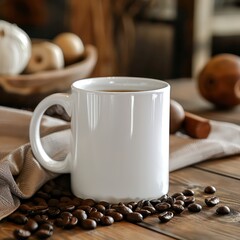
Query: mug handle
[34, 133]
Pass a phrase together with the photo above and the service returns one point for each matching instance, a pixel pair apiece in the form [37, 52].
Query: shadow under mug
[119, 138]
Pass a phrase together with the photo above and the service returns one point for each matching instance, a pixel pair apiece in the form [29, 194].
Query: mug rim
[132, 84]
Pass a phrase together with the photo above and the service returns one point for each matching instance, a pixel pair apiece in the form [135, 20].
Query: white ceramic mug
[119, 138]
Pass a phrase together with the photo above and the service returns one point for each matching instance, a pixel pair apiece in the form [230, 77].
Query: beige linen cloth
[21, 175]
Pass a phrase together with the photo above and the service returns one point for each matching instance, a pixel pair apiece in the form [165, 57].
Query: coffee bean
[162, 207]
[124, 210]
[70, 223]
[47, 188]
[110, 210]
[179, 202]
[67, 207]
[65, 214]
[56, 193]
[139, 205]
[80, 214]
[223, 210]
[88, 202]
[43, 234]
[40, 219]
[144, 212]
[107, 205]
[39, 201]
[38, 210]
[95, 215]
[21, 234]
[93, 209]
[170, 200]
[177, 194]
[53, 202]
[134, 217]
[150, 209]
[24, 208]
[177, 208]
[163, 198]
[188, 192]
[182, 198]
[86, 208]
[212, 201]
[210, 189]
[31, 225]
[77, 201]
[129, 205]
[155, 201]
[194, 207]
[53, 212]
[47, 226]
[133, 204]
[165, 216]
[65, 199]
[59, 222]
[89, 224]
[189, 200]
[42, 195]
[147, 203]
[116, 216]
[18, 218]
[65, 222]
[100, 208]
[106, 220]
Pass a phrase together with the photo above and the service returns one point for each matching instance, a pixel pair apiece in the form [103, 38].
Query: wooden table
[224, 174]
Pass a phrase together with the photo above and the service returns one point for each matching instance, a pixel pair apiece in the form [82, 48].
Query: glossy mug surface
[119, 138]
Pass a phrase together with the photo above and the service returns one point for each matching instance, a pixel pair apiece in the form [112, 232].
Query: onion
[15, 49]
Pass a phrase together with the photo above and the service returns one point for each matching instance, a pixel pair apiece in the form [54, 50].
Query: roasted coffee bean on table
[212, 201]
[194, 207]
[88, 224]
[18, 218]
[162, 207]
[210, 189]
[21, 234]
[165, 216]
[31, 225]
[43, 233]
[55, 207]
[134, 217]
[177, 208]
[106, 220]
[188, 192]
[223, 210]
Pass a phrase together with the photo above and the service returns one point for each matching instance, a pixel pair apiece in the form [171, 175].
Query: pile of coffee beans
[55, 207]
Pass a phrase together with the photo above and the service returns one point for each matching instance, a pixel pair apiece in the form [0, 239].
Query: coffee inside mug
[119, 84]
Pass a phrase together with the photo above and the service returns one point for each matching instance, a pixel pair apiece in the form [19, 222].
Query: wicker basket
[27, 90]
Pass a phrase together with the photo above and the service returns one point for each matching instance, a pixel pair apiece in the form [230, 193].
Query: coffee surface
[120, 90]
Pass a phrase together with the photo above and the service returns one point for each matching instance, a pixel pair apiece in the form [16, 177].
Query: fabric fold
[223, 140]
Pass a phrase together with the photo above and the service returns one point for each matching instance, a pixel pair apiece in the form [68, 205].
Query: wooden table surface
[224, 174]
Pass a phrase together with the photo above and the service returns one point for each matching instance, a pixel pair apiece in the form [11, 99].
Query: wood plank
[122, 230]
[228, 166]
[206, 224]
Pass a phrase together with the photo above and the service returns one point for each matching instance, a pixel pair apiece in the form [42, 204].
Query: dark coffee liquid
[120, 90]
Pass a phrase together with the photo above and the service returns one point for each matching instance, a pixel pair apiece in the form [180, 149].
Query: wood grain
[228, 166]
[206, 224]
[117, 231]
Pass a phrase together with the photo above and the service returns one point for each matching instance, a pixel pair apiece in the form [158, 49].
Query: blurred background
[164, 39]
